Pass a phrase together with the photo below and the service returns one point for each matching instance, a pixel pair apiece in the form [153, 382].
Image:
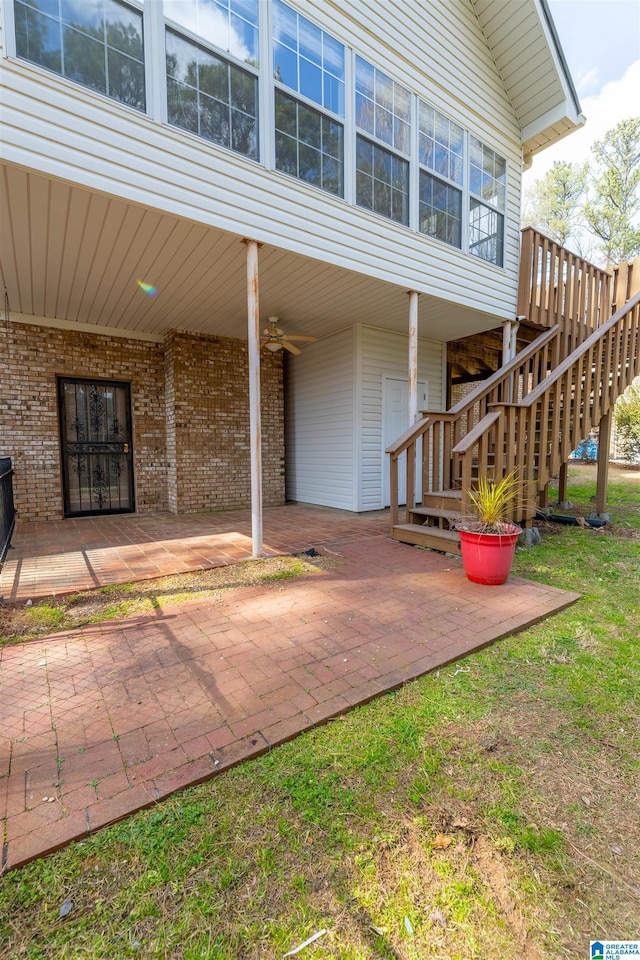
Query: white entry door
[395, 420]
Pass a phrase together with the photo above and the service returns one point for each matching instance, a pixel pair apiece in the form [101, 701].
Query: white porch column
[413, 356]
[509, 340]
[509, 349]
[255, 430]
[506, 342]
[515, 326]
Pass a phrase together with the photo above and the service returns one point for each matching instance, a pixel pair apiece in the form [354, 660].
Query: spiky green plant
[492, 502]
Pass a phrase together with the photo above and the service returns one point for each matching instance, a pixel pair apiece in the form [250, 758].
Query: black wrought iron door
[97, 454]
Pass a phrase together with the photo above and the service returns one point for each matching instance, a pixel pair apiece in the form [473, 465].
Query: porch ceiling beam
[474, 353]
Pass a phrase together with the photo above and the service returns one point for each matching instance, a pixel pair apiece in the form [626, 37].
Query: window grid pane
[229, 25]
[383, 107]
[486, 233]
[97, 43]
[488, 174]
[309, 145]
[440, 210]
[382, 181]
[307, 60]
[441, 143]
[210, 96]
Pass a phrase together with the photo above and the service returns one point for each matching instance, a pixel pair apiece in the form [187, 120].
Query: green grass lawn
[490, 810]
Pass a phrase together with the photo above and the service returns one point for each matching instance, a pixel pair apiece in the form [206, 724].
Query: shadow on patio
[68, 556]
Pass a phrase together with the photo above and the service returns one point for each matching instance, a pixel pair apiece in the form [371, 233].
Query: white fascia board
[560, 62]
[558, 114]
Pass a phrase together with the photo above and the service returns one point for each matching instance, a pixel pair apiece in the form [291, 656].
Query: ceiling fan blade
[301, 339]
[290, 347]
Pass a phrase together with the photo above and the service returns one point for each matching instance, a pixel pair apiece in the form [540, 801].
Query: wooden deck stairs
[536, 409]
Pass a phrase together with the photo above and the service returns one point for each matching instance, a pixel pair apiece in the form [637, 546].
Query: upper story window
[309, 142]
[487, 188]
[97, 43]
[212, 51]
[307, 60]
[230, 25]
[211, 97]
[383, 113]
[441, 151]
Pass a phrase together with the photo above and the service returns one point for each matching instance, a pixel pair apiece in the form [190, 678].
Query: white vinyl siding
[385, 354]
[334, 413]
[320, 424]
[438, 53]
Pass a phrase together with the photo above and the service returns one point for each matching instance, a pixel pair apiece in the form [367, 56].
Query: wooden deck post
[604, 441]
[255, 429]
[563, 478]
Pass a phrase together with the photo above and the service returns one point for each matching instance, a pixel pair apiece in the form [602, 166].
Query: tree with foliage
[627, 418]
[612, 213]
[554, 205]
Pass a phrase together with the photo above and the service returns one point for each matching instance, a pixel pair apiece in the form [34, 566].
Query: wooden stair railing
[441, 431]
[536, 435]
[557, 286]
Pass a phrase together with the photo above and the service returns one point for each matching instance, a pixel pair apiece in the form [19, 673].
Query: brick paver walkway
[69, 555]
[102, 721]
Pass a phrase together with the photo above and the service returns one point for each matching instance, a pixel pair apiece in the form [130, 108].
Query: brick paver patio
[102, 721]
[70, 555]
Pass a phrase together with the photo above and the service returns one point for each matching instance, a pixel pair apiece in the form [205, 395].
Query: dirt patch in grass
[494, 875]
[577, 818]
[20, 622]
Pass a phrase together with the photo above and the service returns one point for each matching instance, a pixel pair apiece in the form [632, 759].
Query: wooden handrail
[476, 395]
[470, 439]
[502, 373]
[557, 285]
[404, 441]
[537, 434]
[532, 412]
[584, 347]
[533, 232]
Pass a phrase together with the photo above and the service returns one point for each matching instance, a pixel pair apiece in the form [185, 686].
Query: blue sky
[600, 39]
[601, 43]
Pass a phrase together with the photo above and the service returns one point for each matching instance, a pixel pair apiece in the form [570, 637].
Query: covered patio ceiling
[74, 257]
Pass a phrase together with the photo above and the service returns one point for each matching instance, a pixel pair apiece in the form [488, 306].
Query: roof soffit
[529, 58]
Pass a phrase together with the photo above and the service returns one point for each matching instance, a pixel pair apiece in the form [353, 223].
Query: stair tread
[441, 512]
[435, 532]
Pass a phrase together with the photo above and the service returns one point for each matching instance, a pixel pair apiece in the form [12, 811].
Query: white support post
[413, 356]
[255, 430]
[515, 326]
[506, 342]
[509, 349]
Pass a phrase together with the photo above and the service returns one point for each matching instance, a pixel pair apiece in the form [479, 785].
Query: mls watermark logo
[614, 949]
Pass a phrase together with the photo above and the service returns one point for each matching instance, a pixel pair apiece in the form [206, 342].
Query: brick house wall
[29, 421]
[190, 412]
[207, 381]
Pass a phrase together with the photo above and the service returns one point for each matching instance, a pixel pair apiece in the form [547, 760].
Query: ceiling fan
[275, 338]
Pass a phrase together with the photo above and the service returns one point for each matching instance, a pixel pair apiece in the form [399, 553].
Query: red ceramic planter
[487, 557]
